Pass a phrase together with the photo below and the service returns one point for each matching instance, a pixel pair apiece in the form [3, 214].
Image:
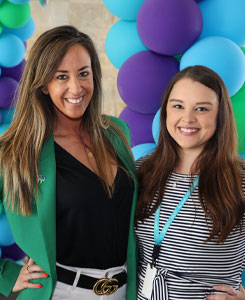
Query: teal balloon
[143, 150]
[25, 32]
[123, 41]
[156, 126]
[7, 115]
[124, 9]
[3, 128]
[221, 55]
[224, 18]
[243, 157]
[6, 237]
[12, 50]
[19, 1]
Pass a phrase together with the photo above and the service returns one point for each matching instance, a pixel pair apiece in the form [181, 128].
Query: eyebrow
[65, 71]
[198, 103]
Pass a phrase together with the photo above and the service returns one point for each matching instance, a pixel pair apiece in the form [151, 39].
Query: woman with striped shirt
[190, 215]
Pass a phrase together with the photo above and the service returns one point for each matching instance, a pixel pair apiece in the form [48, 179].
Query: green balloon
[238, 103]
[14, 15]
[243, 49]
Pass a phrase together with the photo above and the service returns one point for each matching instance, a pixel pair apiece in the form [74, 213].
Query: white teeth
[188, 130]
[74, 101]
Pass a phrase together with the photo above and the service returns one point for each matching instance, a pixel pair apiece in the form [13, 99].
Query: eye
[178, 106]
[62, 77]
[202, 109]
[83, 74]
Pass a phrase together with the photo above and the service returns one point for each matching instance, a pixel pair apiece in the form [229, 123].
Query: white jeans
[64, 291]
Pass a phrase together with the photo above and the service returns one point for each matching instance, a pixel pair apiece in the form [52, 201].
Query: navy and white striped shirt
[188, 267]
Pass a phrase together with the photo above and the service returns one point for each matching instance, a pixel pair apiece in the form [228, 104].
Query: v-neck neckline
[82, 164]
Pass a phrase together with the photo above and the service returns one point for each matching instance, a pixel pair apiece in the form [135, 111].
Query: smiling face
[71, 88]
[192, 111]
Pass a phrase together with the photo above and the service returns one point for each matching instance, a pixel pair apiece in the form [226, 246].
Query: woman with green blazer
[68, 181]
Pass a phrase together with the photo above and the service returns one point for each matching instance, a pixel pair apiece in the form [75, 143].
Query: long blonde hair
[21, 144]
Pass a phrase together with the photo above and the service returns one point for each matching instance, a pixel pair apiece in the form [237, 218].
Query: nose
[75, 86]
[188, 116]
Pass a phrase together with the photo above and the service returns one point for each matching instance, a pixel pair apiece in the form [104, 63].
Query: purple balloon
[14, 72]
[140, 126]
[8, 87]
[143, 78]
[13, 252]
[169, 27]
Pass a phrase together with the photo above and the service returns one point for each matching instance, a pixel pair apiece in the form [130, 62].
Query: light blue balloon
[123, 41]
[3, 127]
[6, 237]
[221, 55]
[156, 126]
[224, 18]
[242, 155]
[24, 32]
[143, 150]
[19, 1]
[7, 116]
[124, 9]
[12, 50]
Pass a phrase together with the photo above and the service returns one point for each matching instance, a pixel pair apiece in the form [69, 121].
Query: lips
[74, 100]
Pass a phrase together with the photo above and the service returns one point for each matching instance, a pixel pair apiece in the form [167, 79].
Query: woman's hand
[27, 273]
[231, 293]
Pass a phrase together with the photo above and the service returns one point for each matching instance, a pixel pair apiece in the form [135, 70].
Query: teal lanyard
[159, 237]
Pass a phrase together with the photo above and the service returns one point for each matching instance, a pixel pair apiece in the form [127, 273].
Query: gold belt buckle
[105, 286]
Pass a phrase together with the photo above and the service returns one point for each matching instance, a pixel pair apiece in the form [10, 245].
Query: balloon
[140, 126]
[24, 32]
[221, 55]
[243, 50]
[238, 103]
[143, 150]
[169, 27]
[123, 41]
[242, 155]
[19, 1]
[8, 88]
[156, 126]
[14, 72]
[6, 237]
[14, 16]
[12, 50]
[142, 80]
[6, 115]
[3, 127]
[224, 18]
[12, 252]
[124, 9]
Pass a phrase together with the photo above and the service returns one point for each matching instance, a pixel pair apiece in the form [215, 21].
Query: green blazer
[36, 234]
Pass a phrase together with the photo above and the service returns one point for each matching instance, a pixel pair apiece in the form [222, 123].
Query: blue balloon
[123, 41]
[6, 237]
[6, 115]
[124, 9]
[19, 1]
[156, 126]
[3, 127]
[224, 18]
[221, 55]
[242, 155]
[12, 50]
[24, 32]
[243, 278]
[143, 150]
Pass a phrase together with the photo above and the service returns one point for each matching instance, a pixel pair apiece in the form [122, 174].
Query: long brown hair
[34, 115]
[220, 167]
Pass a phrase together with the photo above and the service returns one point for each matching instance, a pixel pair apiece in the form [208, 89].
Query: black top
[92, 229]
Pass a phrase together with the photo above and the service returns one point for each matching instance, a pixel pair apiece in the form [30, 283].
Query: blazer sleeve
[123, 126]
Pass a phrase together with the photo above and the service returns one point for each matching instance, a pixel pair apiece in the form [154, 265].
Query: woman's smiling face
[192, 112]
[71, 88]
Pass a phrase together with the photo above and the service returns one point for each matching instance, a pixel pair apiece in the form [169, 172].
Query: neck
[65, 126]
[187, 161]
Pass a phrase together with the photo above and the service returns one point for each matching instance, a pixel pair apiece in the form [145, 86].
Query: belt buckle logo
[105, 286]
